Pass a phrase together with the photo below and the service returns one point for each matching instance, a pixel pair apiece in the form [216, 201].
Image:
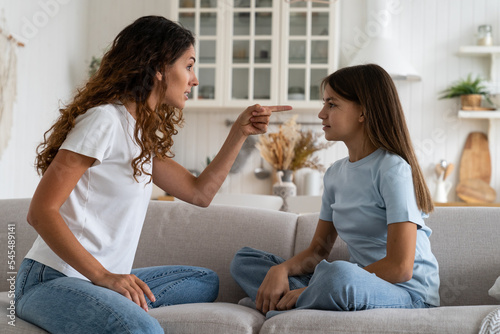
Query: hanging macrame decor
[8, 82]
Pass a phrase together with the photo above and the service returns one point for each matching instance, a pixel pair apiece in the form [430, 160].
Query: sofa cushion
[452, 320]
[14, 211]
[306, 226]
[210, 318]
[180, 233]
[495, 290]
[466, 244]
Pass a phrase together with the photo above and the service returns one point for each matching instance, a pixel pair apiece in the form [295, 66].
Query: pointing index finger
[279, 108]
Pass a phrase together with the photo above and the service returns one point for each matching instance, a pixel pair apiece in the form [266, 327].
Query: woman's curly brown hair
[127, 73]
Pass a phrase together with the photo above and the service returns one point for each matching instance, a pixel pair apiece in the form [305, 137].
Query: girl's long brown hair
[127, 74]
[371, 87]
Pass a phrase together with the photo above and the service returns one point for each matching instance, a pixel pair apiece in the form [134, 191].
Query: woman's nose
[195, 81]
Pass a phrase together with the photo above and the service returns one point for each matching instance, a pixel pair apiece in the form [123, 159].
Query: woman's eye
[189, 67]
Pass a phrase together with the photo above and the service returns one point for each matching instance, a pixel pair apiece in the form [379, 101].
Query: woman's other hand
[129, 286]
[255, 119]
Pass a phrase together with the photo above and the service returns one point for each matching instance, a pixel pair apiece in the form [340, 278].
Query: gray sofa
[465, 241]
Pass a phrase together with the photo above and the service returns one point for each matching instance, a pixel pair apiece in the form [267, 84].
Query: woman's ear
[159, 76]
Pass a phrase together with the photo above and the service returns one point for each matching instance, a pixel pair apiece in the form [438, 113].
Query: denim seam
[98, 303]
[352, 306]
[162, 292]
[23, 283]
[163, 274]
[41, 272]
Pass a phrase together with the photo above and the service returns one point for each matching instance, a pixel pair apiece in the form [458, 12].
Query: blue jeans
[335, 286]
[61, 304]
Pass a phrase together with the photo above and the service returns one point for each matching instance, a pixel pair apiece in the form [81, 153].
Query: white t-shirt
[106, 210]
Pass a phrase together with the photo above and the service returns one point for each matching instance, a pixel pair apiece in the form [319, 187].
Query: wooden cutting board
[476, 191]
[476, 160]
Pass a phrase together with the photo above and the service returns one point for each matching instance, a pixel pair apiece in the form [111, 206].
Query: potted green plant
[470, 92]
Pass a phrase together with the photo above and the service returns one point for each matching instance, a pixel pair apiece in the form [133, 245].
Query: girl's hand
[129, 286]
[289, 300]
[274, 286]
[255, 119]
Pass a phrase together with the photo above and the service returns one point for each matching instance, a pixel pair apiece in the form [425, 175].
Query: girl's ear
[361, 117]
[159, 76]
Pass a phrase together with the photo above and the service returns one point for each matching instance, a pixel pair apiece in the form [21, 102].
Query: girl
[98, 163]
[375, 200]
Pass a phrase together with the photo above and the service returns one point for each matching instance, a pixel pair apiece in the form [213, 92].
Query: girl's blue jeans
[61, 304]
[335, 286]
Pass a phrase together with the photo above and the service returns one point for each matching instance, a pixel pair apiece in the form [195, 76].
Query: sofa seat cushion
[209, 318]
[450, 319]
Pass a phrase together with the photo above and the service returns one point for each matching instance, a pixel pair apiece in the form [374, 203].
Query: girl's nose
[321, 114]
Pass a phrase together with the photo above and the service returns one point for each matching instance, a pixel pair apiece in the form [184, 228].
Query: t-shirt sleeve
[92, 134]
[326, 212]
[399, 195]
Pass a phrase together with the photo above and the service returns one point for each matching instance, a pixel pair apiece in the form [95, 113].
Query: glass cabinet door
[261, 51]
[252, 51]
[201, 17]
[309, 42]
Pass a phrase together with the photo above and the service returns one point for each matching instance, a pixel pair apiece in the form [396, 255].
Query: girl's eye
[189, 67]
[330, 105]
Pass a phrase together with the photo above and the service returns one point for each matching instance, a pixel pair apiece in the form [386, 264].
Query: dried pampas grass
[291, 148]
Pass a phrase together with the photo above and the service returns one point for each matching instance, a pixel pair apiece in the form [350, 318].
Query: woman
[375, 200]
[98, 163]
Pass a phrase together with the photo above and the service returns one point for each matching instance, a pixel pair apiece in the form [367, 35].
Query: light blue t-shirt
[361, 198]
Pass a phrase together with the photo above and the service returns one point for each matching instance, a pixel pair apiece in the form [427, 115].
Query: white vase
[284, 187]
[442, 189]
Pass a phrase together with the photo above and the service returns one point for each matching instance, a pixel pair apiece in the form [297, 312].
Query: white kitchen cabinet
[309, 50]
[203, 18]
[261, 51]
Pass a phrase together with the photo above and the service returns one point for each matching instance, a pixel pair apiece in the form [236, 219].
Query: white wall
[107, 18]
[50, 66]
[428, 32]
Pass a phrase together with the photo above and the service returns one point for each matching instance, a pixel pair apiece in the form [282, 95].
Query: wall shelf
[483, 51]
[479, 50]
[493, 114]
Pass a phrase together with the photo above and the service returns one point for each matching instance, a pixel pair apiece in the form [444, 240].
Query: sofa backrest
[465, 241]
[15, 235]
